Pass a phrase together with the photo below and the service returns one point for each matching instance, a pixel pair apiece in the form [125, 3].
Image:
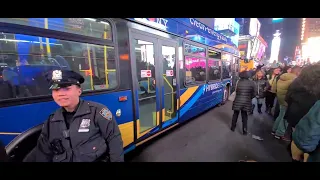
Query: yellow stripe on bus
[187, 94]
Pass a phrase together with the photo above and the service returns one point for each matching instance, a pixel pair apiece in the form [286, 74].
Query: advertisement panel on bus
[192, 29]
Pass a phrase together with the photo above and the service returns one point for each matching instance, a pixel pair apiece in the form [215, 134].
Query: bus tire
[23, 144]
[226, 93]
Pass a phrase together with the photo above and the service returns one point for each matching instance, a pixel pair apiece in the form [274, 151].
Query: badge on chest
[84, 125]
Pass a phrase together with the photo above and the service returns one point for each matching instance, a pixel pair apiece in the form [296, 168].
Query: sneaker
[277, 137]
[285, 139]
[273, 133]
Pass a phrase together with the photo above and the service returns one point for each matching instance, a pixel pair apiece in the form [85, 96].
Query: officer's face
[67, 96]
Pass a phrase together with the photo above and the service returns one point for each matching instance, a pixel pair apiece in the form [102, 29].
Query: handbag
[232, 96]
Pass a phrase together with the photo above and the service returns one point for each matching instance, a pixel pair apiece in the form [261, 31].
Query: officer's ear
[79, 89]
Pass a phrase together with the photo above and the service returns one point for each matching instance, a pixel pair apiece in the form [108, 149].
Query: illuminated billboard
[275, 46]
[235, 38]
[228, 27]
[261, 51]
[254, 27]
[310, 50]
[297, 53]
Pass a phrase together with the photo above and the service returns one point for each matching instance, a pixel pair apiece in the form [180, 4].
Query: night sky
[290, 36]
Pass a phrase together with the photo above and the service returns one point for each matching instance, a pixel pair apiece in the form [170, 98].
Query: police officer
[79, 131]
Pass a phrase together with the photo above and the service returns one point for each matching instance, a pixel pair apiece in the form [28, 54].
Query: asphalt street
[208, 138]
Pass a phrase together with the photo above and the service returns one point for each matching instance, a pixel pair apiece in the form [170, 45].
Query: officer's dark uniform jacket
[100, 141]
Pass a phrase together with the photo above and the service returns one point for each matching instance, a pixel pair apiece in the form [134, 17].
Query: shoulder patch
[106, 113]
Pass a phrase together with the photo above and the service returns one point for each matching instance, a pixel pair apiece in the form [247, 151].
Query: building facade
[251, 44]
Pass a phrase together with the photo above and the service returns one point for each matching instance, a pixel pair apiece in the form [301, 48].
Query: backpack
[306, 134]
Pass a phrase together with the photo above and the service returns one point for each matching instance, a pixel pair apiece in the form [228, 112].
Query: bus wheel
[225, 95]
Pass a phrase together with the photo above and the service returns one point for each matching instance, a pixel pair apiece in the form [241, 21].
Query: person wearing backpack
[306, 136]
[286, 69]
[280, 125]
[302, 95]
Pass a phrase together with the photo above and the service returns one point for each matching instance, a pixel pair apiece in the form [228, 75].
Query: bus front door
[153, 62]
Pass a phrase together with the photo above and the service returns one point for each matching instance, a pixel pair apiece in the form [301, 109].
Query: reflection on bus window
[226, 69]
[235, 66]
[82, 26]
[169, 65]
[214, 54]
[180, 57]
[181, 66]
[214, 67]
[145, 63]
[26, 59]
[194, 50]
[226, 65]
[195, 69]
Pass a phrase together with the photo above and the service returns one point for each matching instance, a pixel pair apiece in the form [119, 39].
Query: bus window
[181, 65]
[25, 60]
[195, 64]
[226, 69]
[214, 67]
[195, 69]
[226, 65]
[82, 26]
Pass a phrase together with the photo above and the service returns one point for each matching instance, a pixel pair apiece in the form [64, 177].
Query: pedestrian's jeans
[280, 125]
[259, 100]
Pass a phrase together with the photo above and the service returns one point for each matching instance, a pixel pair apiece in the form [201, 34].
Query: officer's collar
[75, 109]
[83, 108]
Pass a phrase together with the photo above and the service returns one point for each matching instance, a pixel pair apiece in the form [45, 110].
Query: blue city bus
[152, 73]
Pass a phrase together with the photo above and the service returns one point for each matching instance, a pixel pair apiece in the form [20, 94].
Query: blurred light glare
[310, 49]
[275, 47]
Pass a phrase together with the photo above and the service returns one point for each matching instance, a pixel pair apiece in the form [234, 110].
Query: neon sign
[205, 28]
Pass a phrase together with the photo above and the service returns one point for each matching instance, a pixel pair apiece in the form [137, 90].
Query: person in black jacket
[302, 95]
[80, 130]
[271, 92]
[245, 92]
[262, 85]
